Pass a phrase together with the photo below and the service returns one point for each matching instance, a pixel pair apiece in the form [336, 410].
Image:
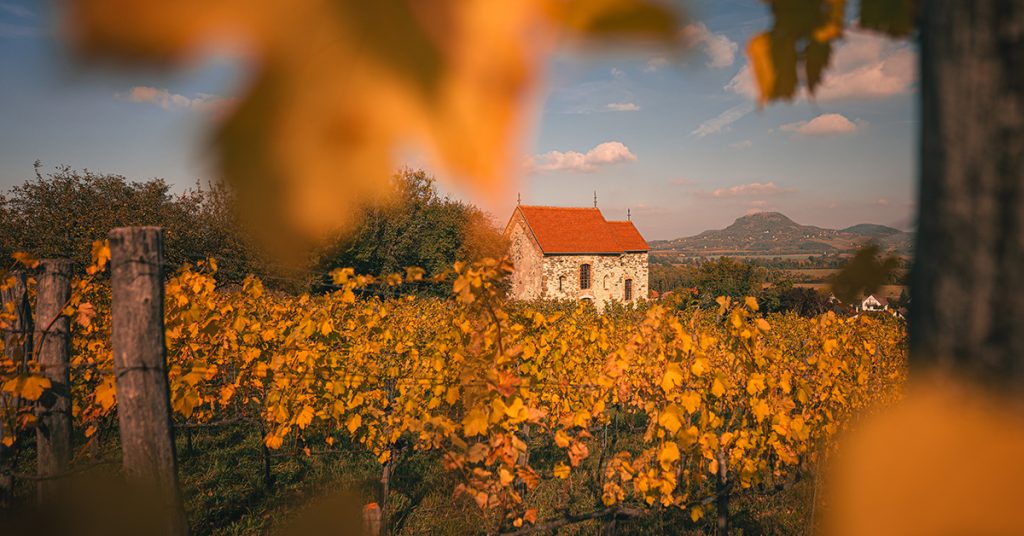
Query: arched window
[605, 282]
[584, 276]
[628, 290]
[561, 283]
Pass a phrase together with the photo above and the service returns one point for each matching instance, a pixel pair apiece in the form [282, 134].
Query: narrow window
[561, 283]
[584, 276]
[605, 282]
[628, 292]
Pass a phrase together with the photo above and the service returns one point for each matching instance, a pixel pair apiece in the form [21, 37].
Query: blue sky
[676, 139]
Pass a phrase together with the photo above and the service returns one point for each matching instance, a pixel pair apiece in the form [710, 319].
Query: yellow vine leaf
[699, 366]
[305, 417]
[717, 388]
[353, 423]
[673, 377]
[516, 411]
[106, 393]
[475, 423]
[755, 384]
[691, 401]
[670, 419]
[27, 387]
[561, 471]
[761, 410]
[505, 476]
[84, 315]
[25, 259]
[668, 454]
[100, 254]
[273, 441]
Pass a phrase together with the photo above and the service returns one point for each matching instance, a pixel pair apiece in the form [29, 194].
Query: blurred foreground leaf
[802, 36]
[863, 275]
[339, 87]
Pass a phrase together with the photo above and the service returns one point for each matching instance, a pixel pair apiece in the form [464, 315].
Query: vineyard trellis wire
[727, 400]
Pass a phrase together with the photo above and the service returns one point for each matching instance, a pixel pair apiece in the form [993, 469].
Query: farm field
[477, 413]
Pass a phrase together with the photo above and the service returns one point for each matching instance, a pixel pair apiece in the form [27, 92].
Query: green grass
[222, 483]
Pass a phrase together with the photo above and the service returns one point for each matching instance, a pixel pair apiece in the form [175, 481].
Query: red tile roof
[580, 230]
[627, 235]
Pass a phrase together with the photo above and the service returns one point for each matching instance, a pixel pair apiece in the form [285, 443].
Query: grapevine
[728, 399]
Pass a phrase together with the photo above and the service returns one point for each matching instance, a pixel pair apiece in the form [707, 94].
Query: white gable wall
[527, 258]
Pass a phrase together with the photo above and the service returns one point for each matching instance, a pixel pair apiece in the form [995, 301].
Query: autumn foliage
[726, 400]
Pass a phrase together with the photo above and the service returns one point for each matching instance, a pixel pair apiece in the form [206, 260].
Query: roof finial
[595, 198]
[629, 217]
[519, 198]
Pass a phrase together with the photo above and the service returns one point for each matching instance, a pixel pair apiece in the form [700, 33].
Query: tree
[420, 229]
[62, 213]
[806, 302]
[670, 277]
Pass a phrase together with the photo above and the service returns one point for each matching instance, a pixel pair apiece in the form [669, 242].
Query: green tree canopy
[62, 213]
[421, 228]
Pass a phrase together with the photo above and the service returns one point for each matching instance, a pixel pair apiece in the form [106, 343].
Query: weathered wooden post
[53, 352]
[140, 367]
[17, 348]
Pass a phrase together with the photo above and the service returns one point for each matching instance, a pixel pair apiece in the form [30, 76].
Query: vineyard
[649, 408]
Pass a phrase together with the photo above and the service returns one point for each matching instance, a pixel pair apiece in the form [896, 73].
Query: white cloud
[746, 190]
[654, 64]
[617, 73]
[824, 125]
[169, 101]
[623, 107]
[680, 181]
[864, 66]
[741, 144]
[743, 83]
[869, 66]
[722, 121]
[605, 154]
[720, 50]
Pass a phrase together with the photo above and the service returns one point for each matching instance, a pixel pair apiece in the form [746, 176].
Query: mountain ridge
[765, 233]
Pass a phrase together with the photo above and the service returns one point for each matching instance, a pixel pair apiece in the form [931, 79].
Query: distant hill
[888, 237]
[872, 230]
[772, 233]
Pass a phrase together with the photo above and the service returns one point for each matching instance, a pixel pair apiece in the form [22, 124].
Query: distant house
[871, 303]
[574, 253]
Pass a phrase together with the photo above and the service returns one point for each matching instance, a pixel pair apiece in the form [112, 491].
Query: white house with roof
[575, 253]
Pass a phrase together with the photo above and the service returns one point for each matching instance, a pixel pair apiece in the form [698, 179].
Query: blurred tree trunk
[967, 309]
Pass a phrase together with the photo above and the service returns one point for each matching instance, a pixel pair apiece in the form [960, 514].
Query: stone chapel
[574, 253]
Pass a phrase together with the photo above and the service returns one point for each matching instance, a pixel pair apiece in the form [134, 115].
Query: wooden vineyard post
[17, 348]
[53, 352]
[140, 367]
